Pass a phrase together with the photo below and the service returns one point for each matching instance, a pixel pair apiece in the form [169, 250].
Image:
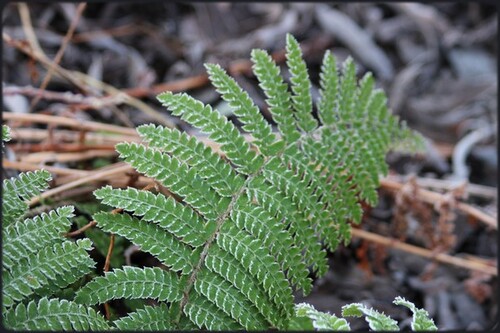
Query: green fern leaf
[61, 265]
[227, 266]
[16, 191]
[152, 239]
[421, 320]
[260, 224]
[175, 175]
[151, 318]
[220, 129]
[328, 102]
[376, 320]
[207, 315]
[31, 235]
[171, 216]
[245, 109]
[209, 166]
[279, 98]
[320, 320]
[131, 282]
[220, 292]
[301, 85]
[258, 262]
[54, 315]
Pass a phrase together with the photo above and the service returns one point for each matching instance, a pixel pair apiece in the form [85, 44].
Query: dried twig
[446, 184]
[81, 7]
[23, 166]
[89, 225]
[61, 147]
[440, 257]
[106, 268]
[82, 80]
[47, 156]
[433, 197]
[93, 177]
[110, 252]
[80, 100]
[74, 123]
[37, 134]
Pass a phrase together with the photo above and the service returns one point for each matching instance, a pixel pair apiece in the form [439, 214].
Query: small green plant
[377, 321]
[38, 262]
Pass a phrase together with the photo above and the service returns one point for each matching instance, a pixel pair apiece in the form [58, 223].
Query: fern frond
[171, 216]
[246, 110]
[130, 283]
[320, 320]
[220, 129]
[31, 235]
[152, 239]
[218, 174]
[151, 318]
[54, 315]
[248, 229]
[279, 98]
[420, 320]
[376, 320]
[56, 267]
[301, 85]
[16, 191]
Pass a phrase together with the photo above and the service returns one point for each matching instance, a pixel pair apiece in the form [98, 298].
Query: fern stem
[110, 252]
[219, 222]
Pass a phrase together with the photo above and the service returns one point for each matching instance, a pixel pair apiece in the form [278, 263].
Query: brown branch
[65, 121]
[44, 157]
[107, 263]
[110, 252]
[443, 184]
[124, 30]
[78, 100]
[37, 134]
[33, 49]
[475, 265]
[60, 147]
[22, 166]
[89, 225]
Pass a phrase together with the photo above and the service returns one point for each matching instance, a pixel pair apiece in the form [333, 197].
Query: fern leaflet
[54, 315]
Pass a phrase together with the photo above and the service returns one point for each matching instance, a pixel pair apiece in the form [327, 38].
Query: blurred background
[105, 62]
